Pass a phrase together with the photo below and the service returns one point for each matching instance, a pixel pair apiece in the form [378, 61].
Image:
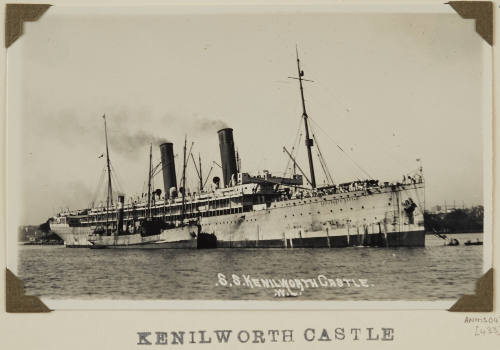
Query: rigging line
[303, 174]
[114, 175]
[298, 130]
[155, 174]
[295, 146]
[326, 171]
[288, 160]
[208, 176]
[157, 168]
[390, 156]
[318, 87]
[294, 143]
[297, 149]
[117, 182]
[323, 167]
[195, 166]
[99, 184]
[118, 187]
[389, 150]
[186, 162]
[322, 160]
[348, 156]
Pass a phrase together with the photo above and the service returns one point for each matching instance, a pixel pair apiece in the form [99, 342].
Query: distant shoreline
[453, 233]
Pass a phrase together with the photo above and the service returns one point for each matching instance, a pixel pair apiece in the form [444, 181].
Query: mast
[237, 162]
[309, 141]
[198, 169]
[201, 174]
[184, 181]
[109, 197]
[149, 180]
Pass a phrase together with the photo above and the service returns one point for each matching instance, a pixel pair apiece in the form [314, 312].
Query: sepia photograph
[265, 154]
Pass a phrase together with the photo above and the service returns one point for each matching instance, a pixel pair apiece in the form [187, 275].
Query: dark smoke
[134, 143]
[194, 124]
[209, 125]
[45, 227]
[123, 137]
[123, 134]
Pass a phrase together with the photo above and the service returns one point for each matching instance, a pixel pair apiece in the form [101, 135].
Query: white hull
[361, 217]
[179, 237]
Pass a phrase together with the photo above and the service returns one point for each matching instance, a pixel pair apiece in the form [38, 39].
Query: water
[431, 273]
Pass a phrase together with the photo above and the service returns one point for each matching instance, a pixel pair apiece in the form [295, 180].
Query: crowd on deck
[360, 185]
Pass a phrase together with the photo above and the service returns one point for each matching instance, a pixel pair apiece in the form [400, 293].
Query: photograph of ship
[245, 211]
[292, 155]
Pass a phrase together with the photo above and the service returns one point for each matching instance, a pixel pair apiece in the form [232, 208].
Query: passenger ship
[253, 211]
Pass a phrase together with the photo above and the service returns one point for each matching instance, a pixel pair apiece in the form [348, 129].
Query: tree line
[455, 221]
[33, 233]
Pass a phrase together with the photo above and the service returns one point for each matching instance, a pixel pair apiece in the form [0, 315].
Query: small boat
[469, 242]
[452, 242]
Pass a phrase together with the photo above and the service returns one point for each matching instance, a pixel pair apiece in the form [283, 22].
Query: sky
[388, 89]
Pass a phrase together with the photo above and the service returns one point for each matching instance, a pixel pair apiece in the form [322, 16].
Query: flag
[418, 159]
[104, 116]
[102, 155]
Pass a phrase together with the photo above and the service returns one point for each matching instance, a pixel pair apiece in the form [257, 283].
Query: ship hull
[80, 237]
[73, 237]
[187, 244]
[374, 218]
[395, 239]
[183, 237]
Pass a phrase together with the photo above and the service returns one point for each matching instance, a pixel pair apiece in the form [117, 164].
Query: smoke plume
[128, 142]
[209, 125]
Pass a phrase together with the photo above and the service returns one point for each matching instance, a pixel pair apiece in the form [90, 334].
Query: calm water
[430, 273]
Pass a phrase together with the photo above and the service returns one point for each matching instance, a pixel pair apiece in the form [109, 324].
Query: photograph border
[470, 12]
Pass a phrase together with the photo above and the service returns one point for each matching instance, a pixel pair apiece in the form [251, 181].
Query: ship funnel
[168, 167]
[121, 203]
[227, 155]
